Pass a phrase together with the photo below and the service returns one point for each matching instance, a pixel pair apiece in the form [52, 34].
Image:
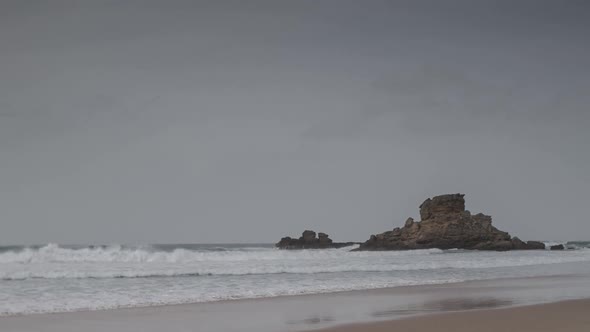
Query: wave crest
[55, 262]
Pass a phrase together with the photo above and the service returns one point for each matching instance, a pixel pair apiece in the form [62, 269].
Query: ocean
[56, 278]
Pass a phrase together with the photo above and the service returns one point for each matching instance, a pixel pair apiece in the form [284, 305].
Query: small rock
[557, 247]
[308, 240]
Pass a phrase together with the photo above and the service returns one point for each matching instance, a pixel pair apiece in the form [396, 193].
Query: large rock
[446, 224]
[308, 240]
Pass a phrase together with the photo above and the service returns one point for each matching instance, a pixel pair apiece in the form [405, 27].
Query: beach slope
[567, 316]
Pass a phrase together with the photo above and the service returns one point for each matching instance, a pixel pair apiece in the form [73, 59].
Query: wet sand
[313, 312]
[568, 316]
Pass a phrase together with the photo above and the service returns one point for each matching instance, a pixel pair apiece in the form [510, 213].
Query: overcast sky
[244, 121]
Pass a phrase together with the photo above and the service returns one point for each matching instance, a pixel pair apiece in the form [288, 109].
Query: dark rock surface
[308, 240]
[557, 247]
[446, 224]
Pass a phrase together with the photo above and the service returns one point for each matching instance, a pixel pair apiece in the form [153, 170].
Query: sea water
[54, 278]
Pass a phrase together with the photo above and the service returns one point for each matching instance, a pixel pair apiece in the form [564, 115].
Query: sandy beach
[567, 316]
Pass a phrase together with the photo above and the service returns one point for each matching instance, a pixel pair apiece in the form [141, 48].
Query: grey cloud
[209, 121]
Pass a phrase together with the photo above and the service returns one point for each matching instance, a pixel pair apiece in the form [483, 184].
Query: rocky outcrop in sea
[557, 247]
[308, 240]
[445, 224]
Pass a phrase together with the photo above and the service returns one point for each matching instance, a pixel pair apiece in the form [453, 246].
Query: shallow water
[54, 278]
[299, 313]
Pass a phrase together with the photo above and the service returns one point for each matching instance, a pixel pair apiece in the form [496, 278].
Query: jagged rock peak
[443, 204]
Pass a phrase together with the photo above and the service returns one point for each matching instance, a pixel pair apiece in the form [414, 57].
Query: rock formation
[308, 240]
[557, 247]
[446, 224]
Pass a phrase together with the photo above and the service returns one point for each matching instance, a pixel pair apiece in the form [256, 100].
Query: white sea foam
[53, 253]
[52, 262]
[53, 278]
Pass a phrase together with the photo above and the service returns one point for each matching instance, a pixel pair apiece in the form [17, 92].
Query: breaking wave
[570, 245]
[55, 262]
[53, 253]
[54, 278]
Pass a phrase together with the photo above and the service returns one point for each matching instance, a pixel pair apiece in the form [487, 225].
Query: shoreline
[563, 316]
[64, 280]
[394, 289]
[315, 311]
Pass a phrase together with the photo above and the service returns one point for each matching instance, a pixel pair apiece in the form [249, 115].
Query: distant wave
[55, 262]
[571, 245]
[54, 278]
[578, 245]
[53, 253]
